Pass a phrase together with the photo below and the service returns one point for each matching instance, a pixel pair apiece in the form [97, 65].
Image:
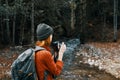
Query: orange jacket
[44, 61]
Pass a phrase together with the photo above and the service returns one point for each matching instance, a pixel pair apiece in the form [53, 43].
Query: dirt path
[92, 61]
[95, 61]
[85, 72]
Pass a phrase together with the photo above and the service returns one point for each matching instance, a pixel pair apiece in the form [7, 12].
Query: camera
[56, 46]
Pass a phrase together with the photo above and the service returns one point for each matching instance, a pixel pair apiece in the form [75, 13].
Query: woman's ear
[48, 40]
[51, 36]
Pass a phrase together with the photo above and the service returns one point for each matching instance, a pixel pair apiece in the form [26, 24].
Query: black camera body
[56, 46]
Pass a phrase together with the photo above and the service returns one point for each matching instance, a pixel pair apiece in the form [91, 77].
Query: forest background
[89, 20]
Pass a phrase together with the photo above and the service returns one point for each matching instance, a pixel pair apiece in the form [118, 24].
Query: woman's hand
[61, 51]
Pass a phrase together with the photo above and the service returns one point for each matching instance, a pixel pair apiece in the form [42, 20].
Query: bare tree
[115, 19]
[32, 23]
[104, 19]
[73, 7]
[7, 21]
[23, 9]
[14, 22]
[83, 20]
[1, 22]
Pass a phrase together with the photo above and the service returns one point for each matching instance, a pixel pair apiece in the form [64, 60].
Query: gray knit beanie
[43, 31]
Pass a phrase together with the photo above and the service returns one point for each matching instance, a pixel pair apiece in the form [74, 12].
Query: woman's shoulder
[45, 53]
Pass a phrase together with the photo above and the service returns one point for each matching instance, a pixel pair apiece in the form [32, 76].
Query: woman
[43, 59]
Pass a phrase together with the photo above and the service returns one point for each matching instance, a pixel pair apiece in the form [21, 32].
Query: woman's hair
[45, 42]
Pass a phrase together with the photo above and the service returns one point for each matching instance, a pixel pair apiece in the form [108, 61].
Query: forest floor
[93, 61]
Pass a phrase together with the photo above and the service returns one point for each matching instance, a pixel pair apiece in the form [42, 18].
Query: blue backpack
[23, 68]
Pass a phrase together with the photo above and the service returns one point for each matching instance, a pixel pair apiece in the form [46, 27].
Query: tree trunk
[32, 23]
[1, 24]
[83, 20]
[7, 22]
[73, 7]
[115, 19]
[103, 28]
[14, 22]
[23, 20]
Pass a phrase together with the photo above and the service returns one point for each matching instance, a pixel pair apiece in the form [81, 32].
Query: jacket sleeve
[53, 68]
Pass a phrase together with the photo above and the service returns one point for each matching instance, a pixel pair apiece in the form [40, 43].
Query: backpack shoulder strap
[33, 59]
[37, 48]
